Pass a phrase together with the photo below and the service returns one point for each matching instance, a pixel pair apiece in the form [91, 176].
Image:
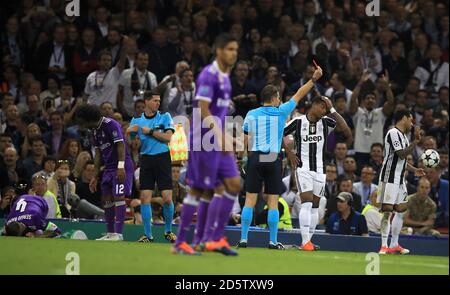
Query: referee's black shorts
[267, 172]
[156, 169]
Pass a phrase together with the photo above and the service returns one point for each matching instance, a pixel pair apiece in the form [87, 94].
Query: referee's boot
[145, 239]
[170, 236]
[277, 246]
[241, 244]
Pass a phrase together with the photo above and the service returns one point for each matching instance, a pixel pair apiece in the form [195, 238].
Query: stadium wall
[433, 246]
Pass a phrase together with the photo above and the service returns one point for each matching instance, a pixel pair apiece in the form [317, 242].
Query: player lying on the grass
[155, 129]
[310, 133]
[267, 171]
[111, 151]
[208, 168]
[392, 187]
[28, 217]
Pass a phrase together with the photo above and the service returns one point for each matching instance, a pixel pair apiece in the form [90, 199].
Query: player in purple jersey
[111, 152]
[28, 218]
[209, 168]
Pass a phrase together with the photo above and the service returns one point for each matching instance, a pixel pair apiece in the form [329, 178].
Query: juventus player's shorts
[308, 181]
[392, 194]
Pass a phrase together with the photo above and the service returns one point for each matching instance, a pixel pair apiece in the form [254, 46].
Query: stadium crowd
[373, 66]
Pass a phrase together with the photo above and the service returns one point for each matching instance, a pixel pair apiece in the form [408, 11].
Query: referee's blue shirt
[159, 123]
[266, 124]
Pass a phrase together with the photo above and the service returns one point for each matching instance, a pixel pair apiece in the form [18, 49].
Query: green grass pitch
[48, 256]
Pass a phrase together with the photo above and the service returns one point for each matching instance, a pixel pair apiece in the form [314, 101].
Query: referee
[155, 131]
[263, 128]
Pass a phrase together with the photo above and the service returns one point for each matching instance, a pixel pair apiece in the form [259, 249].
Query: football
[430, 158]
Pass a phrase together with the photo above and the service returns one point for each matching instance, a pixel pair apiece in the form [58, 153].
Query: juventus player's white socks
[305, 221]
[385, 228]
[314, 221]
[396, 228]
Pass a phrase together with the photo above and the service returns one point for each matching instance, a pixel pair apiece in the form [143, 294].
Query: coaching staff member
[263, 128]
[155, 130]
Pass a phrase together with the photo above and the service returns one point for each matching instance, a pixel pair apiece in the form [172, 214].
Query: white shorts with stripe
[308, 181]
[392, 194]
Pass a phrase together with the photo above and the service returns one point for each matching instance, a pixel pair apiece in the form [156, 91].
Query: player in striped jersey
[392, 189]
[311, 132]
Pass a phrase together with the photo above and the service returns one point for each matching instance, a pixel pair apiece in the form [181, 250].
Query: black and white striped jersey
[393, 169]
[310, 141]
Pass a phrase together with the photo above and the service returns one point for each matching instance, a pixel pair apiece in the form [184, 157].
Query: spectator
[55, 137]
[244, 92]
[328, 38]
[370, 56]
[85, 58]
[49, 165]
[409, 95]
[7, 100]
[439, 194]
[33, 108]
[100, 22]
[40, 188]
[102, 85]
[114, 45]
[417, 55]
[135, 150]
[368, 120]
[70, 150]
[331, 187]
[346, 221]
[82, 185]
[12, 43]
[139, 107]
[162, 54]
[82, 158]
[8, 193]
[397, 67]
[421, 212]
[52, 91]
[340, 105]
[443, 155]
[133, 83]
[376, 159]
[35, 162]
[5, 142]
[365, 188]
[337, 85]
[189, 54]
[340, 153]
[10, 84]
[107, 110]
[443, 100]
[345, 184]
[64, 103]
[53, 57]
[350, 168]
[61, 186]
[171, 81]
[433, 72]
[12, 172]
[181, 98]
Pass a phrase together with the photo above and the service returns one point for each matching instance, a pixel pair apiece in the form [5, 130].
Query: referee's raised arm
[306, 88]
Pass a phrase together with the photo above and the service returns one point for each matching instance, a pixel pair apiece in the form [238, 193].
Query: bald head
[10, 157]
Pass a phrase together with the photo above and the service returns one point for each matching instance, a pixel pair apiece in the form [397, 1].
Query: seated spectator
[421, 212]
[340, 153]
[331, 187]
[346, 221]
[84, 58]
[376, 159]
[34, 162]
[60, 185]
[40, 188]
[64, 102]
[365, 188]
[33, 109]
[82, 185]
[7, 100]
[350, 168]
[291, 195]
[12, 172]
[52, 91]
[439, 194]
[5, 142]
[82, 158]
[70, 150]
[33, 130]
[57, 135]
[340, 104]
[345, 184]
[443, 155]
[8, 193]
[49, 165]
